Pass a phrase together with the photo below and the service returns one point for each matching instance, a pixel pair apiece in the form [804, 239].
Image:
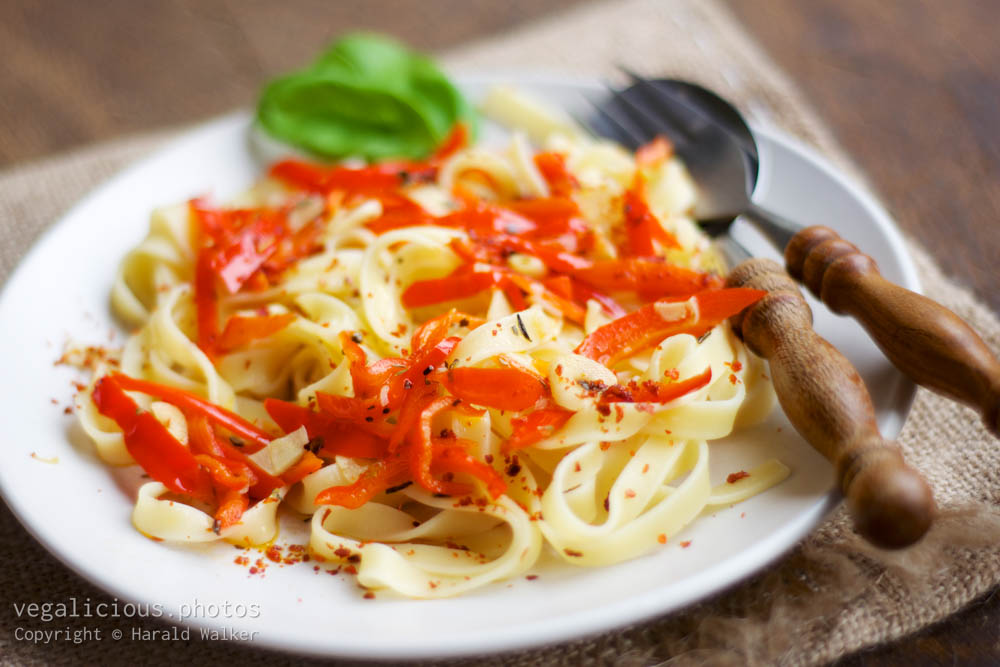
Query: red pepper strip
[376, 478]
[656, 151]
[203, 440]
[483, 219]
[553, 168]
[457, 285]
[222, 473]
[339, 438]
[384, 176]
[535, 427]
[642, 228]
[206, 302]
[561, 285]
[515, 290]
[201, 437]
[456, 140]
[362, 414]
[236, 261]
[231, 508]
[399, 211]
[422, 450]
[368, 380]
[241, 330]
[150, 443]
[545, 209]
[308, 464]
[552, 255]
[501, 388]
[436, 329]
[417, 398]
[571, 310]
[655, 392]
[290, 249]
[645, 327]
[453, 457]
[188, 402]
[652, 278]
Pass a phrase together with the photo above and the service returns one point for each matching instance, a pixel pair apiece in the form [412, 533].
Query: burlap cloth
[830, 596]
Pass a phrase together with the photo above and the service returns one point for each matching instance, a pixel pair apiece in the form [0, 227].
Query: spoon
[924, 340]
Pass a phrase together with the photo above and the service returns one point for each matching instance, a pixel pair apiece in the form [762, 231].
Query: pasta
[450, 365]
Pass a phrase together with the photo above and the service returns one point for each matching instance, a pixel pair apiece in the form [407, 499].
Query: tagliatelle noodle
[610, 481]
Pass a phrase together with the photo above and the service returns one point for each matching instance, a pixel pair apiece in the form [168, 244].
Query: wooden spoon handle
[925, 340]
[828, 404]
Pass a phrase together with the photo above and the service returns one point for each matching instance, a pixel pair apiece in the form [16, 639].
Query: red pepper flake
[369, 595]
[661, 538]
[514, 467]
[736, 365]
[576, 467]
[733, 379]
[629, 493]
[350, 569]
[531, 577]
[273, 554]
[645, 469]
[736, 476]
[743, 515]
[607, 504]
[342, 552]
[685, 544]
[573, 554]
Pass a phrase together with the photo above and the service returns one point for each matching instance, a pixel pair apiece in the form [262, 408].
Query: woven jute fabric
[830, 596]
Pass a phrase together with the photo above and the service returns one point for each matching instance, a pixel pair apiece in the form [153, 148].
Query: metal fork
[713, 140]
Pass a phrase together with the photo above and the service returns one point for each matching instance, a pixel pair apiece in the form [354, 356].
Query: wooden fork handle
[827, 403]
[924, 340]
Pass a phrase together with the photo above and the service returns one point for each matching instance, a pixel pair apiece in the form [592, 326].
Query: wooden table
[911, 89]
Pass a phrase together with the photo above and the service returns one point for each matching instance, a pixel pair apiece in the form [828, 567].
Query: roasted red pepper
[150, 443]
[553, 169]
[378, 477]
[340, 437]
[652, 323]
[655, 392]
[651, 278]
[536, 426]
[646, 236]
[454, 458]
[188, 403]
[501, 388]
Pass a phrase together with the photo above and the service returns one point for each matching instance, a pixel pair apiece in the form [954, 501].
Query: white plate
[79, 509]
